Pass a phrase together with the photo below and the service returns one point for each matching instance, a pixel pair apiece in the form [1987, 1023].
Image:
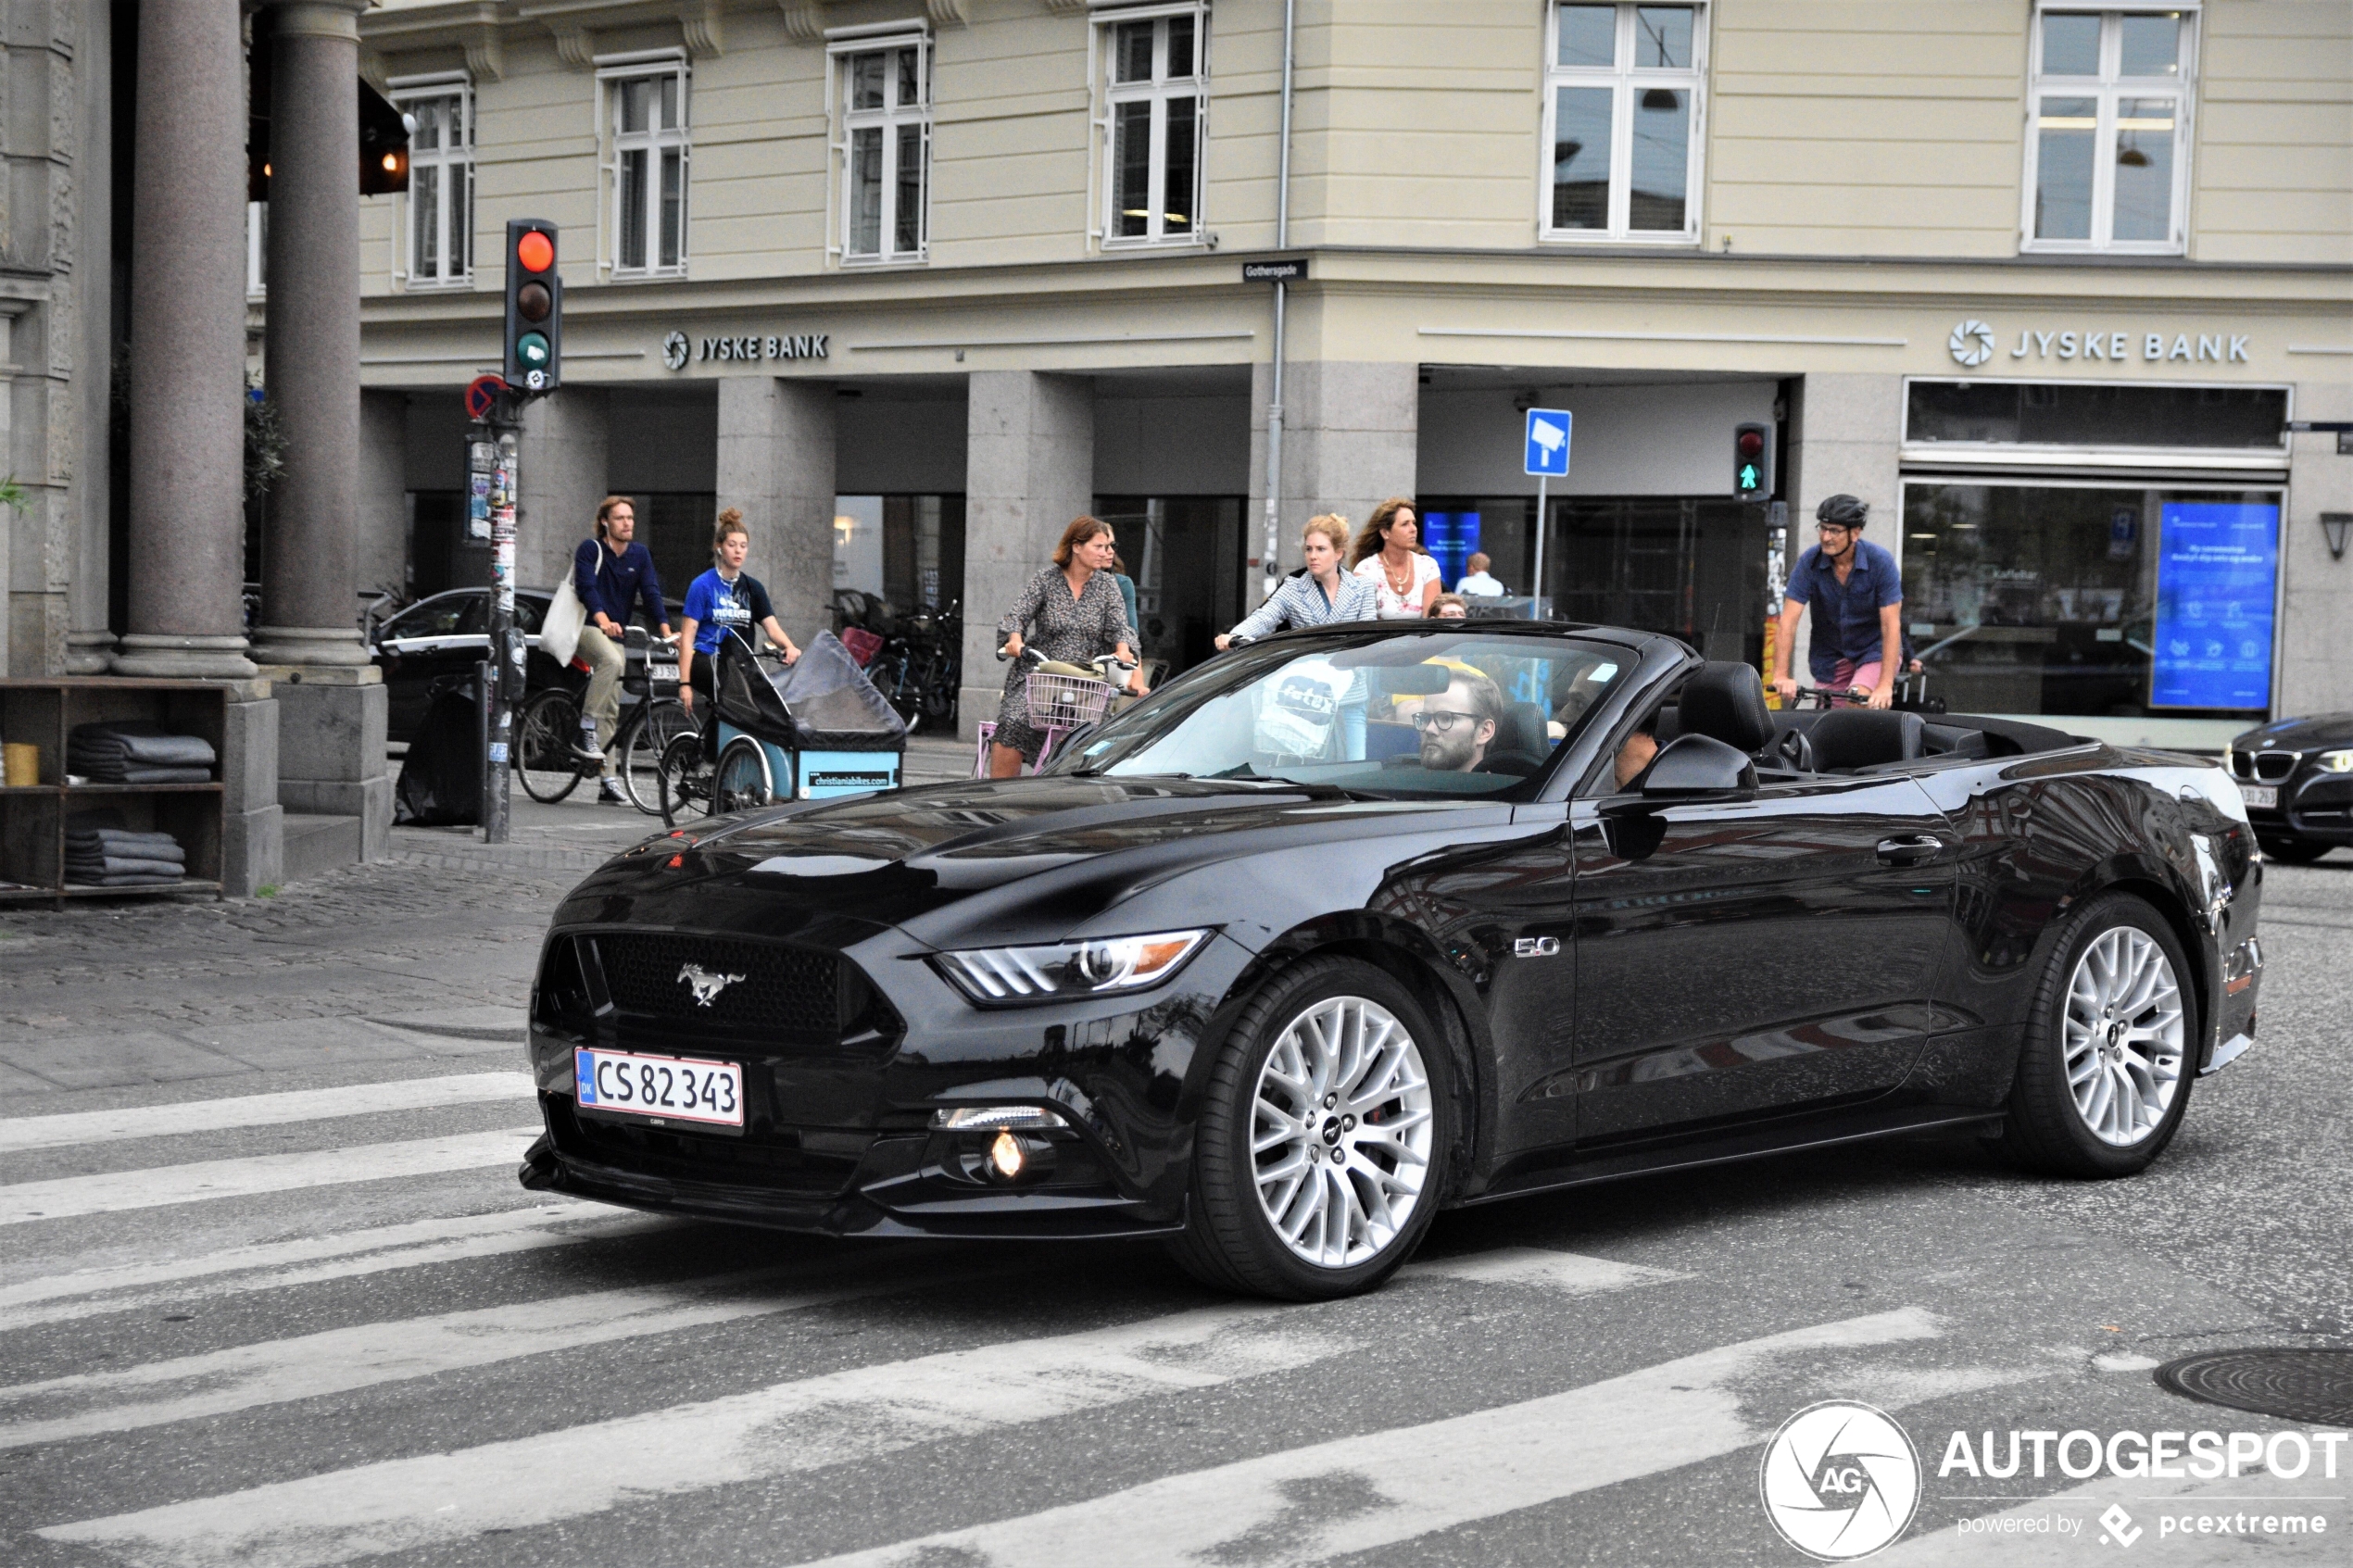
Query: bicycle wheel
[743, 781]
[546, 729]
[643, 743]
[683, 788]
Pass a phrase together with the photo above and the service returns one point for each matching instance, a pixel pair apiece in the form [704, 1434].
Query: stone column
[310, 569]
[776, 462]
[1842, 439]
[383, 546]
[1030, 467]
[88, 636]
[563, 457]
[187, 347]
[1352, 435]
[2317, 604]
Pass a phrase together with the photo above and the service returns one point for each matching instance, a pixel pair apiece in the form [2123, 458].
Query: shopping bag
[559, 628]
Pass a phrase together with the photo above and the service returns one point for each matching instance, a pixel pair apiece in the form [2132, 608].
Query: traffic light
[534, 308]
[1753, 462]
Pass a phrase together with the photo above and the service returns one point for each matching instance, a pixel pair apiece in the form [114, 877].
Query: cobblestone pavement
[427, 952]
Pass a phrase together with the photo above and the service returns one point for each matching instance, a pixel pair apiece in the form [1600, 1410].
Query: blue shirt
[612, 582]
[1846, 616]
[718, 607]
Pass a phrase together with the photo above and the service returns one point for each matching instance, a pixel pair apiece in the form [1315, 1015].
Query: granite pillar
[561, 452]
[89, 638]
[777, 463]
[187, 347]
[1030, 467]
[1351, 439]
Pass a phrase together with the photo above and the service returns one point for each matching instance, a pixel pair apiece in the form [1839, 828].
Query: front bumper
[838, 1137]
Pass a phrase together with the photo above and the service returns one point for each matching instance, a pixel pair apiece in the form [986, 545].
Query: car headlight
[1000, 976]
[2335, 761]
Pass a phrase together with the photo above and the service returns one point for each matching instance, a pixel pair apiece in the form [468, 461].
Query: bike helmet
[1842, 512]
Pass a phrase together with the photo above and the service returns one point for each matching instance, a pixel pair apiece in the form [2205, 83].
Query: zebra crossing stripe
[859, 1412]
[340, 1361]
[22, 1133]
[1409, 1481]
[67, 1198]
[87, 1293]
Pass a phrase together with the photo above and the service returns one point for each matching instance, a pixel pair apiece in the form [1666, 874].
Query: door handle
[1909, 850]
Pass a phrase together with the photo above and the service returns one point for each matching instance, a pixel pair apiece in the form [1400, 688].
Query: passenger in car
[1458, 726]
[1635, 753]
[1449, 606]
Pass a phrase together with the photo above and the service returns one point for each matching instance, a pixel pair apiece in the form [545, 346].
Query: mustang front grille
[736, 985]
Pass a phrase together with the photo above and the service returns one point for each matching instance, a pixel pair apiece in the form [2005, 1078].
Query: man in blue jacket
[612, 574]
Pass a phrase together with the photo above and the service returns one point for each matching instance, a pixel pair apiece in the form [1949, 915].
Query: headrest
[1726, 701]
[1522, 730]
[1864, 737]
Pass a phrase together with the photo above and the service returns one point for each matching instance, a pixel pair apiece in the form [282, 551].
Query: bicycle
[547, 727]
[1061, 701]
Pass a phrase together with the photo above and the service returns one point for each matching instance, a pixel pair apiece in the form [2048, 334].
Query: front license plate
[661, 1088]
[2265, 796]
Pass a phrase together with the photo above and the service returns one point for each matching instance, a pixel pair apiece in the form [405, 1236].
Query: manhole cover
[2295, 1385]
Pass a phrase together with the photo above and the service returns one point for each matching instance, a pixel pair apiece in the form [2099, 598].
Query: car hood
[941, 860]
[2311, 733]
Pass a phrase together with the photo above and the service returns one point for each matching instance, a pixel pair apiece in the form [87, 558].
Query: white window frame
[1625, 81]
[843, 45]
[612, 72]
[457, 179]
[1108, 15]
[256, 250]
[2106, 89]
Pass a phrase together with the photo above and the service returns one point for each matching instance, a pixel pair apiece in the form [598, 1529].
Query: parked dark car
[2298, 777]
[1297, 951]
[448, 634]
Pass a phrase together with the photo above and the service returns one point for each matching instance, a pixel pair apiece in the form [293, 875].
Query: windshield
[1393, 714]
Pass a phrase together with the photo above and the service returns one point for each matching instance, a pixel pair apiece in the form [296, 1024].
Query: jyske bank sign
[678, 350]
[1974, 343]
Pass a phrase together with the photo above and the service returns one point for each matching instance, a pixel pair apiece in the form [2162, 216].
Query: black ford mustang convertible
[1355, 924]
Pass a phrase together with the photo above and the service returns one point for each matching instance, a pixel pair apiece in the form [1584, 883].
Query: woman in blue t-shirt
[727, 598]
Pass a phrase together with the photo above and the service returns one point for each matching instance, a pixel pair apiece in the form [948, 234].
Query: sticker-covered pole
[506, 649]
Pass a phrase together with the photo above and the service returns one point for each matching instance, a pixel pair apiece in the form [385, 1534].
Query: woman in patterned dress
[1078, 615]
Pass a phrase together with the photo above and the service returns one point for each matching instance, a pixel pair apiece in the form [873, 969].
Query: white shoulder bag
[559, 628]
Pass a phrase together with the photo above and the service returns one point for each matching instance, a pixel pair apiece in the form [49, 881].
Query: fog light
[1005, 1156]
[986, 1118]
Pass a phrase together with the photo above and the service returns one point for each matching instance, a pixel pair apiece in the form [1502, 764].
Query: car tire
[1310, 1021]
[2110, 1051]
[2294, 851]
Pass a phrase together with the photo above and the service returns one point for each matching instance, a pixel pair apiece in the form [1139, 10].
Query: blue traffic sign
[1548, 442]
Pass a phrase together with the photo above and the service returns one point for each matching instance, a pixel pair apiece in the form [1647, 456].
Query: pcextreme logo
[1840, 1481]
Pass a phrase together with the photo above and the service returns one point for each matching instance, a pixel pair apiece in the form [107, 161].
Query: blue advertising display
[1547, 451]
[2216, 570]
[1451, 537]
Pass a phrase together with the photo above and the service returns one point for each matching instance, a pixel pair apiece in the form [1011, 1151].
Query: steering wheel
[1795, 750]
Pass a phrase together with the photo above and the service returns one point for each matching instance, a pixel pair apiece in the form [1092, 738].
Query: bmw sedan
[2298, 777]
[1366, 921]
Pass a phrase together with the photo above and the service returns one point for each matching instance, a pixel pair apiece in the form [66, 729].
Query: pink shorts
[1850, 674]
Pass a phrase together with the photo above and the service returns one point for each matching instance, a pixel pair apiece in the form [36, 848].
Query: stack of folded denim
[113, 857]
[138, 751]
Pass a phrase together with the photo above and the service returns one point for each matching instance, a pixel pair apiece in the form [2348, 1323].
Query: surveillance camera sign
[1548, 442]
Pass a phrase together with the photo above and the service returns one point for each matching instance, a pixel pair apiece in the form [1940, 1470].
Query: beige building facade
[914, 282]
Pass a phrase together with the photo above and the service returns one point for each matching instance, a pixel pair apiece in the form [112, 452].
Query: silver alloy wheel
[2123, 1037]
[1340, 1132]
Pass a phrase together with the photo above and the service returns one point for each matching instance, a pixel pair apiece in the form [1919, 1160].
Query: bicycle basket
[1066, 701]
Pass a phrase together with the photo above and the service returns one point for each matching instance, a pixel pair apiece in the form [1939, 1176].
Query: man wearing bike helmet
[1857, 595]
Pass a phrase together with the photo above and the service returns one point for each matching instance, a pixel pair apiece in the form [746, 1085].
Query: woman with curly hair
[1389, 555]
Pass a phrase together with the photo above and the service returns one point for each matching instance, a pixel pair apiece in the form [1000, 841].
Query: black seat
[1726, 701]
[1522, 730]
[1848, 738]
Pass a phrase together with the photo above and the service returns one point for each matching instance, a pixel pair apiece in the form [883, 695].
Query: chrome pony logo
[705, 985]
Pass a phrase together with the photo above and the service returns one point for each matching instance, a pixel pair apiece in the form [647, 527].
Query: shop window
[2085, 414]
[2109, 139]
[256, 249]
[884, 130]
[1154, 122]
[441, 182]
[2092, 599]
[1622, 121]
[646, 164]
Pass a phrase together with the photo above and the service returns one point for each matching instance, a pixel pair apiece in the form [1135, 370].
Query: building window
[1622, 116]
[885, 105]
[441, 184]
[1155, 74]
[2107, 153]
[256, 249]
[645, 120]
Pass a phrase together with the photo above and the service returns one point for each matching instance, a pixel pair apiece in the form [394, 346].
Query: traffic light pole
[502, 692]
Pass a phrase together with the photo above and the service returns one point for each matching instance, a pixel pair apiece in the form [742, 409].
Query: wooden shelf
[33, 818]
[213, 786]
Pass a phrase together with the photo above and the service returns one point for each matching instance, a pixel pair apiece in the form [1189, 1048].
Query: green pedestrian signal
[1752, 471]
[531, 351]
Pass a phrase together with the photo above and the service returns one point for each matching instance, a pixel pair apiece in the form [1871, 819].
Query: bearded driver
[1457, 727]
[1857, 595]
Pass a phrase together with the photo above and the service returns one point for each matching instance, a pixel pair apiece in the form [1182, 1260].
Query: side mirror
[1697, 765]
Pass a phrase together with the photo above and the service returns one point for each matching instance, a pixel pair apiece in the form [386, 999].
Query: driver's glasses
[1441, 719]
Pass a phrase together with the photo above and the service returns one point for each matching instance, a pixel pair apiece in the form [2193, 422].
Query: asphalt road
[227, 1336]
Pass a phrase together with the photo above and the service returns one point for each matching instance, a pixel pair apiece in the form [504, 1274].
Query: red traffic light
[535, 251]
[1752, 442]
